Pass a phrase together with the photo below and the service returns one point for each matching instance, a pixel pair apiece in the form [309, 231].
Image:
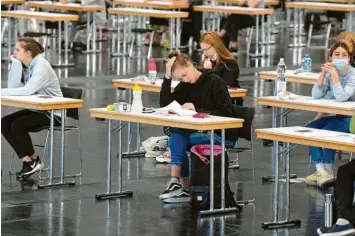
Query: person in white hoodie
[30, 69]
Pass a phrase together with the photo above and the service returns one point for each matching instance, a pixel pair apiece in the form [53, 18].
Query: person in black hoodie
[219, 59]
[201, 92]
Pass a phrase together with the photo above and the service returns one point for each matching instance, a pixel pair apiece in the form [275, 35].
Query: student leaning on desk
[38, 77]
[201, 92]
[337, 81]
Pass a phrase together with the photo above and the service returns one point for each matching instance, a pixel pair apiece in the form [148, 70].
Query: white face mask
[214, 57]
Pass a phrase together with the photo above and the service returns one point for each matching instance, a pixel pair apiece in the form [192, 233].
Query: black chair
[71, 113]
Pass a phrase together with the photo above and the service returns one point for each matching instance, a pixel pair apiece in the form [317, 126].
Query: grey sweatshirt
[40, 78]
[341, 92]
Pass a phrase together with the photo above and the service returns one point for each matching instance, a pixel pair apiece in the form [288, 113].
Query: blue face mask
[214, 57]
[340, 64]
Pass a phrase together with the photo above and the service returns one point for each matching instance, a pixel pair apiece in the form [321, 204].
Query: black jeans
[345, 191]
[15, 127]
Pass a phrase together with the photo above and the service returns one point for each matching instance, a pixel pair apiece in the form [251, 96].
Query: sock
[320, 167]
[341, 221]
[175, 179]
[328, 168]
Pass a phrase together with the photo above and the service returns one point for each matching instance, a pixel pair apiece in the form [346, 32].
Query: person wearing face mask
[220, 60]
[336, 81]
[38, 77]
[201, 92]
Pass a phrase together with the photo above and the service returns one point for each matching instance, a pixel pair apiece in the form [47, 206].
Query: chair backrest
[72, 93]
[246, 113]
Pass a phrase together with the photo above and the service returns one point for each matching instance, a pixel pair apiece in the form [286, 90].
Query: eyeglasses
[205, 50]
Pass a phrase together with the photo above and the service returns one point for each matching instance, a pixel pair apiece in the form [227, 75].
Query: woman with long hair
[38, 77]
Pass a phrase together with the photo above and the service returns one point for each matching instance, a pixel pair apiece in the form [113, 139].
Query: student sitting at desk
[337, 81]
[219, 59]
[38, 78]
[198, 91]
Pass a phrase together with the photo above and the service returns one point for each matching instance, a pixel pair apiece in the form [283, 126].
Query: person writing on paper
[200, 92]
[219, 59]
[337, 81]
[37, 77]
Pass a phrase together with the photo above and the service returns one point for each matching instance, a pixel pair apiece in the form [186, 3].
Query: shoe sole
[177, 200]
[327, 184]
[343, 233]
[162, 160]
[319, 232]
[170, 195]
[233, 167]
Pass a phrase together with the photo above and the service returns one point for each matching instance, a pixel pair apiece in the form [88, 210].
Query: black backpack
[200, 180]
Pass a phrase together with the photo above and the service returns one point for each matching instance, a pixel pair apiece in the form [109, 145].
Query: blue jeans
[182, 139]
[332, 123]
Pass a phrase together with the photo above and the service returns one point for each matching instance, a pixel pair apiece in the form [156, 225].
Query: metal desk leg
[62, 156]
[287, 222]
[119, 193]
[118, 53]
[172, 38]
[223, 209]
[256, 38]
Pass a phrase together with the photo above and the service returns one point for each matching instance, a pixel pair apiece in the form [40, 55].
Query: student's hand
[324, 70]
[329, 67]
[168, 66]
[207, 64]
[189, 106]
[63, 1]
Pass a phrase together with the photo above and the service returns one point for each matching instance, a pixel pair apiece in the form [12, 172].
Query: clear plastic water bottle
[152, 69]
[261, 4]
[281, 77]
[137, 104]
[307, 64]
[328, 211]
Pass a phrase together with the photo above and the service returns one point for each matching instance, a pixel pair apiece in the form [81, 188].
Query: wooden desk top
[305, 103]
[333, 1]
[128, 83]
[238, 2]
[39, 15]
[316, 137]
[12, 2]
[154, 4]
[321, 6]
[303, 78]
[67, 7]
[234, 10]
[156, 118]
[148, 12]
[37, 103]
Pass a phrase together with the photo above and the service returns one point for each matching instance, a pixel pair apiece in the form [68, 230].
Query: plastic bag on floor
[155, 146]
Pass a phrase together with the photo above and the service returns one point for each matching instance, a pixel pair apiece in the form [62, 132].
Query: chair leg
[12, 160]
[150, 45]
[351, 156]
[250, 39]
[132, 44]
[44, 153]
[329, 27]
[310, 32]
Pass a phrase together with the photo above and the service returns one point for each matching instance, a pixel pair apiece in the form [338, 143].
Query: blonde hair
[182, 60]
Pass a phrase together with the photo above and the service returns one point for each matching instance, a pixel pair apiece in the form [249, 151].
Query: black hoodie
[209, 94]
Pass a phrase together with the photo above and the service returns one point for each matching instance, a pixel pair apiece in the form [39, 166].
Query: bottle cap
[306, 55]
[137, 88]
[281, 59]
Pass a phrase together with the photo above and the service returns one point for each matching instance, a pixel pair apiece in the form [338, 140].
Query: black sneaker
[172, 189]
[37, 167]
[184, 196]
[26, 168]
[323, 230]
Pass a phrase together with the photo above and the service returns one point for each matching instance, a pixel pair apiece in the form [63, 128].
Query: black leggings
[14, 128]
[345, 190]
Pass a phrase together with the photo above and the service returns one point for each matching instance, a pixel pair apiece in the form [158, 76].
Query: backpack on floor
[200, 178]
